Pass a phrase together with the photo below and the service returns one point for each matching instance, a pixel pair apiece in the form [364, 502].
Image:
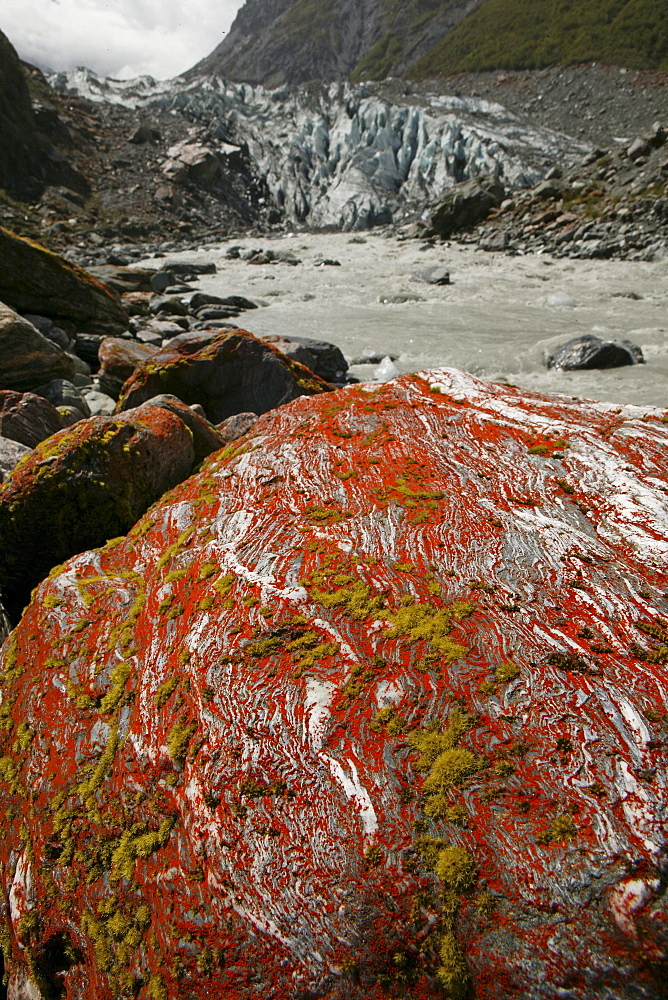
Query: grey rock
[162, 280]
[465, 205]
[496, 242]
[236, 426]
[215, 312]
[145, 134]
[99, 403]
[11, 453]
[638, 148]
[371, 357]
[147, 336]
[87, 346]
[200, 299]
[168, 305]
[194, 162]
[583, 353]
[42, 323]
[61, 392]
[71, 415]
[433, 276]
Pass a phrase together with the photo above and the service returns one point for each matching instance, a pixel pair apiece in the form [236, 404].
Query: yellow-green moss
[165, 690]
[178, 740]
[433, 625]
[562, 828]
[507, 672]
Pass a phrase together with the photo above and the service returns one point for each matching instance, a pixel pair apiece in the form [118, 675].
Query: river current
[495, 319]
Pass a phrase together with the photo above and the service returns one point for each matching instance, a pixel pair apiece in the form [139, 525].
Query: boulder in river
[36, 280]
[27, 357]
[226, 373]
[591, 352]
[374, 704]
[435, 275]
[464, 205]
[27, 418]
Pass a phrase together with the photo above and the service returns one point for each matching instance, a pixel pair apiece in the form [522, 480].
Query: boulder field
[374, 704]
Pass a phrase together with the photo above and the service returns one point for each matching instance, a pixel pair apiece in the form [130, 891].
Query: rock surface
[20, 152]
[592, 352]
[319, 356]
[11, 453]
[463, 206]
[375, 703]
[83, 486]
[27, 418]
[34, 279]
[118, 360]
[226, 373]
[27, 357]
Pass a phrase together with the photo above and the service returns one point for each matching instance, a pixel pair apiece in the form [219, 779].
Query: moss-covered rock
[226, 373]
[82, 486]
[36, 280]
[27, 358]
[372, 706]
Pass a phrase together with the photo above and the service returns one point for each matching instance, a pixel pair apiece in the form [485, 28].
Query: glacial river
[493, 320]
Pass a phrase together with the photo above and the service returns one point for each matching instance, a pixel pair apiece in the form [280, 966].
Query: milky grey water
[493, 320]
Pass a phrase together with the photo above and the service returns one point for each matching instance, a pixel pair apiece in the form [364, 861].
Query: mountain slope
[274, 42]
[530, 34]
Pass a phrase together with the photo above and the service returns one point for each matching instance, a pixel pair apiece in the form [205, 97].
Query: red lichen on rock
[375, 703]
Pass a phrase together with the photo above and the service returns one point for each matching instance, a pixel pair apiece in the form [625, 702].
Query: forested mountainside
[277, 42]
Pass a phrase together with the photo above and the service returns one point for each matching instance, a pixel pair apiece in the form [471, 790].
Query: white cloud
[120, 38]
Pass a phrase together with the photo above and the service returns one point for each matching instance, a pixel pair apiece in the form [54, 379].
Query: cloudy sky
[121, 38]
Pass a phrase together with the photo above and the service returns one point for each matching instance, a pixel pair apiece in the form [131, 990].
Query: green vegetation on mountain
[530, 34]
[277, 42]
[407, 26]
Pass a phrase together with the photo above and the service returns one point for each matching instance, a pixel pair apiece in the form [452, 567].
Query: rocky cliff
[21, 159]
[292, 41]
[274, 42]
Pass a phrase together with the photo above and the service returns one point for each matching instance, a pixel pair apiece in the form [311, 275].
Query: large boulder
[118, 360]
[27, 357]
[27, 418]
[36, 280]
[193, 162]
[588, 352]
[464, 205]
[226, 373]
[373, 705]
[87, 484]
